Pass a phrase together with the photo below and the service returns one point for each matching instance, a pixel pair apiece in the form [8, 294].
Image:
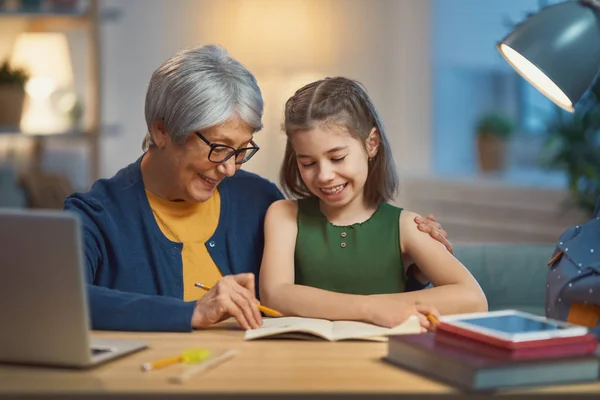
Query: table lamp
[557, 50]
[45, 55]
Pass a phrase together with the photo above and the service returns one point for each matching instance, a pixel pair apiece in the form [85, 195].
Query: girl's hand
[386, 311]
[434, 229]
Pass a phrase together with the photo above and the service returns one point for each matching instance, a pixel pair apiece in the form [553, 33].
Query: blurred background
[475, 144]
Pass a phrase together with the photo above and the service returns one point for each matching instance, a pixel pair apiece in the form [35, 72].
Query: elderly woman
[184, 212]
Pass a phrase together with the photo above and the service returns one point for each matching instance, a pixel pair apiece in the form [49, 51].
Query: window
[535, 110]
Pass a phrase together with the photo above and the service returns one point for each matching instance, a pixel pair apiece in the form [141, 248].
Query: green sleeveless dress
[363, 258]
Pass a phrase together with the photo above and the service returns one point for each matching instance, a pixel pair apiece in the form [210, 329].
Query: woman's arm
[278, 290]
[112, 309]
[455, 290]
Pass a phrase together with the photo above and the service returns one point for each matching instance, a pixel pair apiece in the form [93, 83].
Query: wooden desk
[267, 366]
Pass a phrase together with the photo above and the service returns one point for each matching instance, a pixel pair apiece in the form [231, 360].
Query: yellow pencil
[269, 311]
[150, 366]
[433, 319]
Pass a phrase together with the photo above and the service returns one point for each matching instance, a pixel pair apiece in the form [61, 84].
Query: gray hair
[199, 88]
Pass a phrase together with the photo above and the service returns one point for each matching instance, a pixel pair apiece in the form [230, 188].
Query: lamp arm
[591, 3]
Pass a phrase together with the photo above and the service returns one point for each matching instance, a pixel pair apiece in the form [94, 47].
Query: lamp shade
[45, 55]
[557, 50]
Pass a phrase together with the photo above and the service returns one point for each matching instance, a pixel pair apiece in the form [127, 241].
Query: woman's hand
[232, 296]
[385, 311]
[434, 229]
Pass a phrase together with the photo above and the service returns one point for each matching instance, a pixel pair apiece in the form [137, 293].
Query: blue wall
[470, 77]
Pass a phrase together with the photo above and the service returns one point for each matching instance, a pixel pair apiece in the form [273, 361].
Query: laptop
[43, 302]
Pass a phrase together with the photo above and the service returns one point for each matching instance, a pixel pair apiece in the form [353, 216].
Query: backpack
[573, 279]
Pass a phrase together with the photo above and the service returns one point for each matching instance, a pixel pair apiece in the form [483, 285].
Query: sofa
[512, 276]
[11, 194]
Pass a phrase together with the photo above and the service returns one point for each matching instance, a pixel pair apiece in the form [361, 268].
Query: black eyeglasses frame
[231, 151]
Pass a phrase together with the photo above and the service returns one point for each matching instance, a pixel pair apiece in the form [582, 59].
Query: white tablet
[508, 326]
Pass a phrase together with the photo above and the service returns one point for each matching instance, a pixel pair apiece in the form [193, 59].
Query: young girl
[341, 251]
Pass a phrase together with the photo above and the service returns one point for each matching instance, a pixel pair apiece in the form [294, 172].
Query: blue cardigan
[134, 273]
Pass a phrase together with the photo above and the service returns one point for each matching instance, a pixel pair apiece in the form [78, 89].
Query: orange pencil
[149, 366]
[269, 311]
[433, 319]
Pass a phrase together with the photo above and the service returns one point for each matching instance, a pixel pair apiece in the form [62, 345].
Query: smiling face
[333, 164]
[185, 171]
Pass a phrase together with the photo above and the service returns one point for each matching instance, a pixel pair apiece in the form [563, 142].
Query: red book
[444, 327]
[585, 344]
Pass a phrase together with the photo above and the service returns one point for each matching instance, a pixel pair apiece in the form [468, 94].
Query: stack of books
[474, 365]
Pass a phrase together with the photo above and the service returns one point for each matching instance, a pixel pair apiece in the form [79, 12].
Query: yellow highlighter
[268, 311]
[190, 356]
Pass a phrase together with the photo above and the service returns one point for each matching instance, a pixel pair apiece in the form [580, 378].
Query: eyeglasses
[219, 153]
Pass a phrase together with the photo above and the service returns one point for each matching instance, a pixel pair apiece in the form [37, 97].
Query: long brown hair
[345, 102]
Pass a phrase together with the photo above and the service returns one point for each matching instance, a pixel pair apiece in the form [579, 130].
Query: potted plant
[573, 145]
[12, 95]
[493, 131]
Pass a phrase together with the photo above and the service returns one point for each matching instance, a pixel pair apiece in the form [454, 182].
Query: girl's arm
[278, 290]
[455, 290]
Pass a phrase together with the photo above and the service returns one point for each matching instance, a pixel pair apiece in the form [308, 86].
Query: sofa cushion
[512, 276]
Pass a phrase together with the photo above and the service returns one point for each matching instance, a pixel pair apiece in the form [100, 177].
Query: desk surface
[267, 366]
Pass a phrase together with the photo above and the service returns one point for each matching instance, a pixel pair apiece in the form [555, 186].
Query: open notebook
[306, 328]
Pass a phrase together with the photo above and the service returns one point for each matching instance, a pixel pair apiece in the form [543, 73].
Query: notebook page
[410, 326]
[361, 330]
[274, 326]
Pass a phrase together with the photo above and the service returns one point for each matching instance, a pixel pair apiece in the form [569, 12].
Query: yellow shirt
[191, 224]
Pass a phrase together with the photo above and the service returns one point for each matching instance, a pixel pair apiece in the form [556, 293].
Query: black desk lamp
[557, 50]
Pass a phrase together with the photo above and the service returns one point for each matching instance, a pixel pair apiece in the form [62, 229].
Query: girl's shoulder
[407, 221]
[404, 214]
[283, 209]
[411, 215]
